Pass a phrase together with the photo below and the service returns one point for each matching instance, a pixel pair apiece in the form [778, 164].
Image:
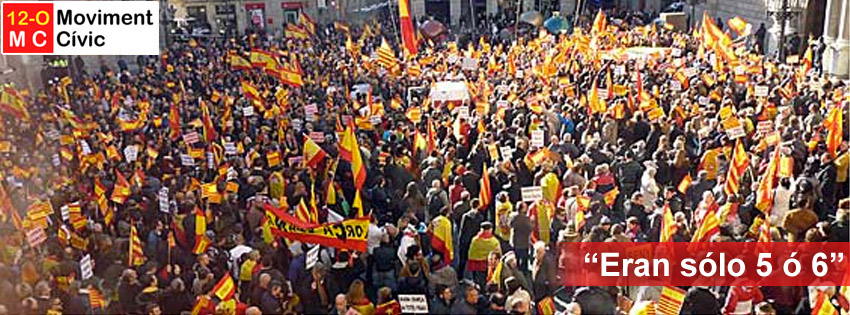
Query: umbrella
[556, 25]
[432, 29]
[532, 17]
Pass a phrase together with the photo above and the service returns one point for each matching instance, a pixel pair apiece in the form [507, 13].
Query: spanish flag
[822, 305]
[764, 193]
[349, 150]
[834, 123]
[12, 103]
[296, 32]
[407, 32]
[121, 190]
[313, 154]
[738, 25]
[239, 63]
[201, 242]
[308, 22]
[668, 225]
[251, 92]
[174, 122]
[358, 204]
[441, 238]
[225, 288]
[209, 129]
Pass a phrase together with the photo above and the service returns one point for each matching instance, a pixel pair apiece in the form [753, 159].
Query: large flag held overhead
[408, 37]
[12, 103]
[386, 55]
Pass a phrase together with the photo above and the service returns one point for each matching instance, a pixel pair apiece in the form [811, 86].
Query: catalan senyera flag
[225, 288]
[313, 153]
[710, 226]
[303, 213]
[209, 129]
[600, 23]
[136, 255]
[546, 306]
[486, 193]
[349, 150]
[834, 124]
[358, 205]
[386, 55]
[670, 301]
[805, 64]
[668, 225]
[121, 190]
[737, 166]
[408, 36]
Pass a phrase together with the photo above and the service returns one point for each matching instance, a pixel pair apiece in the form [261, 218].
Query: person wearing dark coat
[635, 208]
[700, 300]
[544, 272]
[271, 303]
[466, 304]
[78, 302]
[128, 289]
[469, 225]
[177, 298]
[827, 177]
[595, 300]
[442, 302]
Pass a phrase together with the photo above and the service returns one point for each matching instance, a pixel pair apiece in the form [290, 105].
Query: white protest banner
[532, 194]
[463, 112]
[131, 153]
[735, 133]
[317, 137]
[297, 124]
[452, 59]
[502, 104]
[704, 100]
[85, 147]
[313, 256]
[676, 52]
[620, 70]
[210, 160]
[229, 148]
[764, 127]
[248, 111]
[503, 89]
[164, 204]
[86, 267]
[191, 138]
[413, 303]
[470, 64]
[761, 91]
[66, 213]
[187, 160]
[36, 236]
[690, 72]
[375, 120]
[675, 86]
[56, 160]
[537, 139]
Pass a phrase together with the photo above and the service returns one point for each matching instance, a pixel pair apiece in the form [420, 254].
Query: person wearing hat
[482, 244]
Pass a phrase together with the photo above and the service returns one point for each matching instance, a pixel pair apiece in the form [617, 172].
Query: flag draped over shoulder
[441, 240]
[710, 227]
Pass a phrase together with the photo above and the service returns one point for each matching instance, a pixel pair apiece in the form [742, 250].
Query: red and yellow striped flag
[136, 255]
[486, 193]
[737, 166]
[684, 184]
[668, 225]
[225, 288]
[670, 301]
[313, 153]
[408, 37]
[121, 190]
[349, 150]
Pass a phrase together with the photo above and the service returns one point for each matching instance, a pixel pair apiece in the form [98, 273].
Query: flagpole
[393, 18]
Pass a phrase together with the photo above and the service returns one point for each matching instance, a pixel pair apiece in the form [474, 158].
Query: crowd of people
[614, 125]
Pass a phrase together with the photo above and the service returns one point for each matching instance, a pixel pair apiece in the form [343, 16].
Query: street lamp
[782, 12]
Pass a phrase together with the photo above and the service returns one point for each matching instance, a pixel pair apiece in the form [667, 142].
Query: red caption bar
[704, 264]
